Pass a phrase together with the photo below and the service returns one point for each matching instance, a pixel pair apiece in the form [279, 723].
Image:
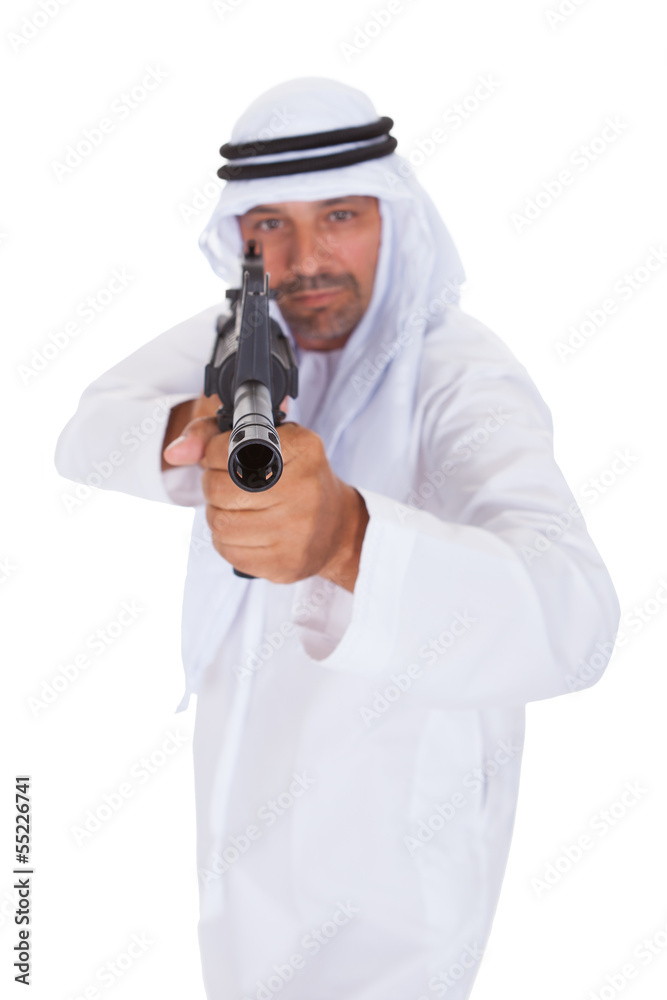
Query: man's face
[321, 256]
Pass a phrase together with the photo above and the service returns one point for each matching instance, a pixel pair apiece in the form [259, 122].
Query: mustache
[315, 283]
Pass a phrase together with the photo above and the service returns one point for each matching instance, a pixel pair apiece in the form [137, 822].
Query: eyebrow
[276, 210]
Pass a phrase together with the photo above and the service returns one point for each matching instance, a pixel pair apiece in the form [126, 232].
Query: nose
[305, 251]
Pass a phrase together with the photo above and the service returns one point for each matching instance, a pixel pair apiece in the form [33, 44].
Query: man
[422, 571]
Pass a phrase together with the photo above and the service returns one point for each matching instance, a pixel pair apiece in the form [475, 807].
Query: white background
[69, 572]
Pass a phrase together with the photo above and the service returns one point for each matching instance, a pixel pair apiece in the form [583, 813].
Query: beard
[330, 321]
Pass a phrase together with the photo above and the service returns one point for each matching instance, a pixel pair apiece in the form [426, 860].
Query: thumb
[189, 448]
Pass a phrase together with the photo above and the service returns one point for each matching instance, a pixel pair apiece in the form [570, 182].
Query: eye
[266, 225]
[342, 214]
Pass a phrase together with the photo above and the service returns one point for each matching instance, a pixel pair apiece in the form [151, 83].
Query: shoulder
[463, 341]
[189, 341]
[463, 360]
[201, 324]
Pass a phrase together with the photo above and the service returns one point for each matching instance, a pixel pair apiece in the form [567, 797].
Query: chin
[321, 326]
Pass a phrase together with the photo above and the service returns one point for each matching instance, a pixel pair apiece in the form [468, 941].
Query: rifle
[252, 369]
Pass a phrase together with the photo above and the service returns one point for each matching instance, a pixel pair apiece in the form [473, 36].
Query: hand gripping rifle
[252, 369]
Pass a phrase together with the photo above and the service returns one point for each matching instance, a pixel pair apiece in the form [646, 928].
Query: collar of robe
[377, 142]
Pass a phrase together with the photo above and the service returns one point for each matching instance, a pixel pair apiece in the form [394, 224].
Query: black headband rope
[316, 140]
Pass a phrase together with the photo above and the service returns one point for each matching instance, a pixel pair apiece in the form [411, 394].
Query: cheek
[362, 265]
[360, 256]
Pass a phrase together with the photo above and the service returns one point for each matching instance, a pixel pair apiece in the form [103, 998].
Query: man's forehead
[287, 206]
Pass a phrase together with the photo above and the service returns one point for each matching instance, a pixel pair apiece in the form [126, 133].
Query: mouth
[315, 298]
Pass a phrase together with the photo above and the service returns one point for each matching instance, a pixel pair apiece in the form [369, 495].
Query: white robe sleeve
[488, 591]
[114, 440]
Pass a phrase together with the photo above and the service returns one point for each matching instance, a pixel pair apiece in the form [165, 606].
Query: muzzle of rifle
[255, 460]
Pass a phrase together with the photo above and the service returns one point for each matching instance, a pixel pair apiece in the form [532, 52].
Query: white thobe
[357, 755]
